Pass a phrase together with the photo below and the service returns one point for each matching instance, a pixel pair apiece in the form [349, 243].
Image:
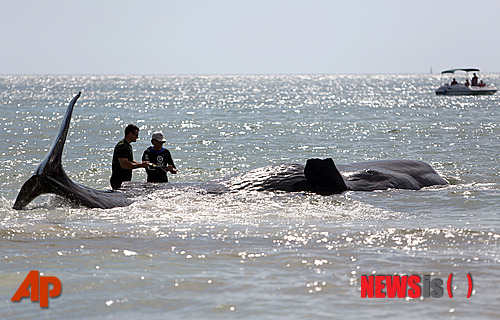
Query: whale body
[320, 176]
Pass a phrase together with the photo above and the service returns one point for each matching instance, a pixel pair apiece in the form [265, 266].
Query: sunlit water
[188, 254]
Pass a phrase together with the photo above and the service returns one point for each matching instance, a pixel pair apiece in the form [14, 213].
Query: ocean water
[185, 254]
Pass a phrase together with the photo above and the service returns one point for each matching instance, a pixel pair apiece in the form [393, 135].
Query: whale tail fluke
[50, 166]
[50, 177]
[29, 191]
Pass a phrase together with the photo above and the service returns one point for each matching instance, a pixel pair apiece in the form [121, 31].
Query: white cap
[158, 136]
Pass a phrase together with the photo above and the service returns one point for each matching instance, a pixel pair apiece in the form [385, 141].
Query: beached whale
[321, 176]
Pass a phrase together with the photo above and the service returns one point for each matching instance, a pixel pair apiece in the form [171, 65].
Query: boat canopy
[466, 70]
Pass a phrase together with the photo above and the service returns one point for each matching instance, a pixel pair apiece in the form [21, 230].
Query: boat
[473, 87]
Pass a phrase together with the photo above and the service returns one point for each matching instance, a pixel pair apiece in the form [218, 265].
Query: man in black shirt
[475, 80]
[123, 158]
[160, 158]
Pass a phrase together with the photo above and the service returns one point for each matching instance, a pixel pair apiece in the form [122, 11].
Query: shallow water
[183, 253]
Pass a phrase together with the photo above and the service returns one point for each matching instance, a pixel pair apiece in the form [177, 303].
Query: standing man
[123, 158]
[161, 159]
[475, 80]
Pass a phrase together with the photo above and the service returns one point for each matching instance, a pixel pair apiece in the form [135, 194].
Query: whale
[321, 176]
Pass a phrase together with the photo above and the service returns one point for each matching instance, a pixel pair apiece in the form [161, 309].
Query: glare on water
[188, 253]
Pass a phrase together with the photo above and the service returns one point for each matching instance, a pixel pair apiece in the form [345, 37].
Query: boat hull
[461, 90]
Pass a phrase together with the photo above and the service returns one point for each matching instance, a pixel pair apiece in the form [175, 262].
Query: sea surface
[186, 254]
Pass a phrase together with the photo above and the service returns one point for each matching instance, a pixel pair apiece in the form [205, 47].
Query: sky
[247, 36]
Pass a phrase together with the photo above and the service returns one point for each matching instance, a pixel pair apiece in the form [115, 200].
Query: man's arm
[130, 165]
[170, 163]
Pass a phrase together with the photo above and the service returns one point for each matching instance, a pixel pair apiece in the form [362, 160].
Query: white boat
[474, 87]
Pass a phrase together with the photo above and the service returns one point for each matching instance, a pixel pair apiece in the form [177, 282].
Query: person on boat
[467, 83]
[475, 80]
[454, 82]
[160, 158]
[123, 158]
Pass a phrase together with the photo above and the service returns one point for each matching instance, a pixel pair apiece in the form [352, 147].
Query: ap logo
[39, 288]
